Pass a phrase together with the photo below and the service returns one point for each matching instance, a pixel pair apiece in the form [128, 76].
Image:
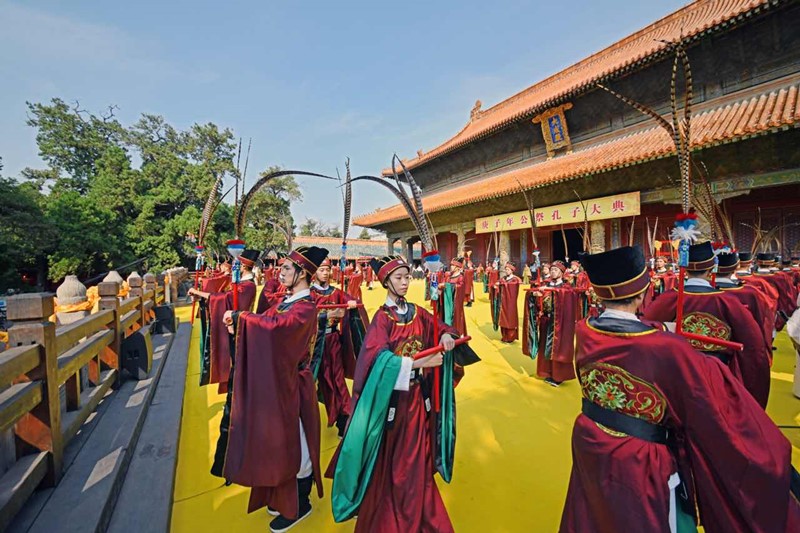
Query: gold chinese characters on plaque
[617, 206]
[554, 129]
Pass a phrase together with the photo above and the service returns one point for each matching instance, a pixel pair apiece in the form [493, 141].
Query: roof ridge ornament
[476, 112]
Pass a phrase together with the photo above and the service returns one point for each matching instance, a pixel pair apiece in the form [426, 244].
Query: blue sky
[310, 81]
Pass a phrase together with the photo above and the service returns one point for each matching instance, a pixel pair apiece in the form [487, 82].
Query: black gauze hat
[727, 263]
[701, 257]
[308, 258]
[617, 274]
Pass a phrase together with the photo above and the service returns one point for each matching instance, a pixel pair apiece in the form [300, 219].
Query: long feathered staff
[416, 212]
[532, 214]
[205, 221]
[347, 199]
[680, 131]
[236, 246]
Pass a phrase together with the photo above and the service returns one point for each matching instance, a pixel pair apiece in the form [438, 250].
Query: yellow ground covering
[512, 455]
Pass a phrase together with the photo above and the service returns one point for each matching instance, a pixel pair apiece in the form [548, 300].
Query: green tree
[365, 234]
[72, 139]
[24, 233]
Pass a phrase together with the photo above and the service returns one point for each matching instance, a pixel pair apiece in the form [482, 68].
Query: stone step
[145, 502]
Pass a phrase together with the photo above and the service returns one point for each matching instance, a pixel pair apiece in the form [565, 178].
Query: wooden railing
[41, 358]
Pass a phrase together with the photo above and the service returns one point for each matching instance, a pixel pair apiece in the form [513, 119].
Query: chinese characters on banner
[617, 206]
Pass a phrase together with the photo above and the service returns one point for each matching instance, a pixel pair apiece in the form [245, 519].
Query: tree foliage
[316, 228]
[112, 193]
[365, 234]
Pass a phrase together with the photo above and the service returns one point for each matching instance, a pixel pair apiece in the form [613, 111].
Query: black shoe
[228, 482]
[552, 382]
[282, 523]
[469, 304]
[272, 511]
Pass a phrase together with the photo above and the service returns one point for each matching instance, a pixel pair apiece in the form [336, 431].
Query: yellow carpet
[512, 455]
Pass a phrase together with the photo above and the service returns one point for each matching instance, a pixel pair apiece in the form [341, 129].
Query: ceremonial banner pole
[433, 264]
[198, 266]
[235, 248]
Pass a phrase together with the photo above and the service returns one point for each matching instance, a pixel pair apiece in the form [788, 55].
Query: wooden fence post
[110, 355]
[41, 428]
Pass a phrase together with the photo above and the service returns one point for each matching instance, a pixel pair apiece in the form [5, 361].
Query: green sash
[362, 441]
[445, 437]
[205, 343]
[449, 308]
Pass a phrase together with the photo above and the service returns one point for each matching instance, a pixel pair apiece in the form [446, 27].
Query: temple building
[565, 138]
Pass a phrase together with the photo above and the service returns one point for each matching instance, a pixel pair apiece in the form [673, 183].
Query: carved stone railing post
[41, 428]
[110, 355]
[136, 285]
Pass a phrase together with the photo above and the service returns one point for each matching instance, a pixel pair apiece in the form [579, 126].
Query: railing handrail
[47, 357]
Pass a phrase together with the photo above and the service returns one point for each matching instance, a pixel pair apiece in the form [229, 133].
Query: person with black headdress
[713, 313]
[273, 291]
[787, 291]
[217, 344]
[756, 301]
[341, 332]
[272, 442]
[398, 437]
[664, 430]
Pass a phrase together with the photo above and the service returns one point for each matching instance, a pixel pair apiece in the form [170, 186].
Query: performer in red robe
[662, 280]
[401, 495]
[218, 303]
[555, 307]
[504, 304]
[273, 291]
[457, 287]
[756, 302]
[469, 282]
[714, 313]
[273, 438]
[338, 358]
[369, 275]
[787, 292]
[354, 282]
[665, 430]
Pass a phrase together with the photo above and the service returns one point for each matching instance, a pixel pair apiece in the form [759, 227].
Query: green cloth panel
[361, 443]
[205, 348]
[533, 331]
[449, 309]
[446, 421]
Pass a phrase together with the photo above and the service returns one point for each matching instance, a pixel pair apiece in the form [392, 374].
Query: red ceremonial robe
[273, 389]
[559, 312]
[787, 296]
[729, 451]
[215, 283]
[354, 285]
[272, 293]
[492, 276]
[338, 359]
[469, 286]
[757, 303]
[660, 282]
[714, 313]
[402, 496]
[218, 303]
[509, 315]
[459, 319]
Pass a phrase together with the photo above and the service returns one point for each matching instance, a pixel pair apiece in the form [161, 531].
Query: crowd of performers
[672, 432]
